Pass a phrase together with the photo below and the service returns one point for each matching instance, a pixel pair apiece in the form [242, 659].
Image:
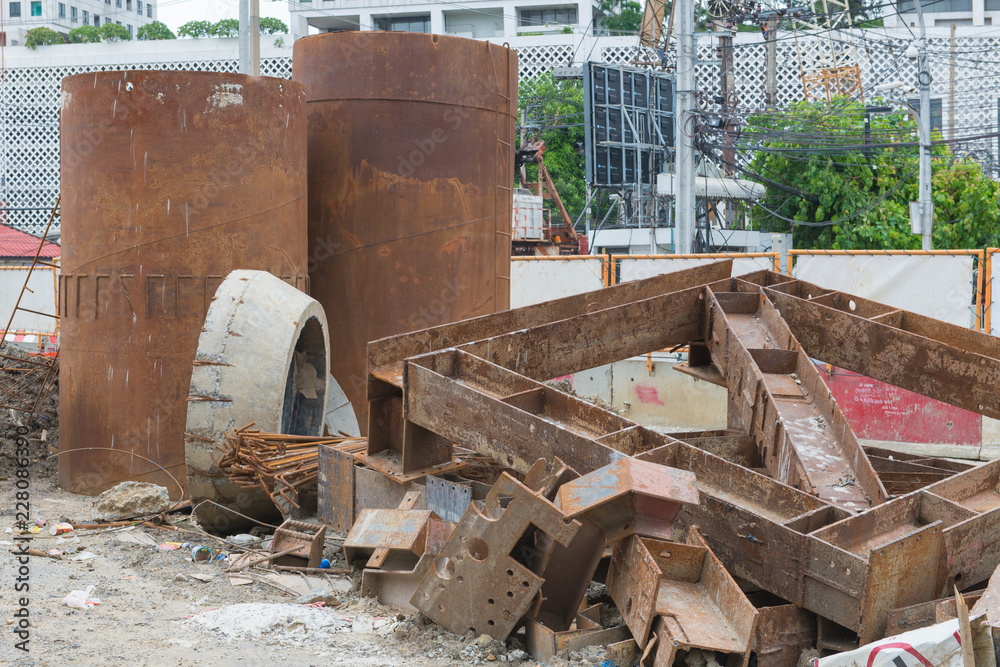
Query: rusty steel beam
[515, 428]
[593, 339]
[386, 356]
[961, 368]
[802, 435]
[800, 547]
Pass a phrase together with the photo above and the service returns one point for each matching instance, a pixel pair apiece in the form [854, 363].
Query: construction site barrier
[537, 279]
[37, 313]
[943, 284]
[640, 267]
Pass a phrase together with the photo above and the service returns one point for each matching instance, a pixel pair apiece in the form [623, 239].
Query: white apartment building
[473, 18]
[942, 13]
[64, 15]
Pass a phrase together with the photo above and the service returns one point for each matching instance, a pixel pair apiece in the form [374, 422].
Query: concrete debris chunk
[131, 499]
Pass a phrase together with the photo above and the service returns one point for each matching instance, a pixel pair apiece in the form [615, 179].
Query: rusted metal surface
[305, 539]
[840, 559]
[783, 632]
[391, 530]
[386, 356]
[544, 643]
[373, 490]
[335, 501]
[802, 435]
[629, 496]
[699, 605]
[395, 587]
[170, 180]
[965, 363]
[634, 580]
[476, 583]
[410, 177]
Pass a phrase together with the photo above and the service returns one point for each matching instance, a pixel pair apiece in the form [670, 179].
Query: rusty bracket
[482, 579]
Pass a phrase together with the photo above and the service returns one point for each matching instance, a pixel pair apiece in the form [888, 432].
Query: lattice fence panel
[29, 124]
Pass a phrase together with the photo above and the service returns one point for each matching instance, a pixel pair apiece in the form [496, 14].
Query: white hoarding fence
[640, 267]
[938, 284]
[537, 279]
[39, 297]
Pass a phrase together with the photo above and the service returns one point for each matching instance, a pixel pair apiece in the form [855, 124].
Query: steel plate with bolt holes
[476, 584]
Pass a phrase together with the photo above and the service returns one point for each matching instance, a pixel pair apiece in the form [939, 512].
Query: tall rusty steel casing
[170, 180]
[411, 165]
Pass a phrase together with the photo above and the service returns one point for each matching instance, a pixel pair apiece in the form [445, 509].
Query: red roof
[15, 243]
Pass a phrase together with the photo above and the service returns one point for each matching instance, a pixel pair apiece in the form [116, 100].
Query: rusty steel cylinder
[411, 165]
[170, 180]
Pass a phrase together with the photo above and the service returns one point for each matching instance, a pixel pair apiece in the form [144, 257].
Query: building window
[73, 15]
[128, 5]
[138, 7]
[97, 20]
[404, 23]
[107, 20]
[118, 3]
[130, 31]
[149, 9]
[86, 17]
[36, 8]
[556, 16]
[938, 6]
[15, 10]
[62, 10]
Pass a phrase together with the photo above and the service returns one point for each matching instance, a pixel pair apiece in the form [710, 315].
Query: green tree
[555, 114]
[835, 191]
[114, 32]
[42, 37]
[195, 29]
[621, 16]
[272, 26]
[85, 34]
[154, 31]
[226, 28]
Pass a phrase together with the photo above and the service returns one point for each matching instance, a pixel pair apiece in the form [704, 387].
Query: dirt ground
[149, 614]
[152, 610]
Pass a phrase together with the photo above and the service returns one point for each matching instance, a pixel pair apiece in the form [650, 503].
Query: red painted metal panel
[880, 411]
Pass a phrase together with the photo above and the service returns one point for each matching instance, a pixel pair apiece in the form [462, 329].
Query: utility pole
[951, 86]
[771, 55]
[925, 205]
[250, 37]
[684, 123]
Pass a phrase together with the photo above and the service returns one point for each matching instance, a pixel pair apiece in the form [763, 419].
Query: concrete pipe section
[262, 357]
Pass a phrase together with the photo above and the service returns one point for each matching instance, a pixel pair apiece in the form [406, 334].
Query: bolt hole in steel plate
[479, 550]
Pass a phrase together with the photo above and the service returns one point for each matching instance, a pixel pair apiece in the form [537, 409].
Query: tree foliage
[114, 32]
[272, 26]
[42, 37]
[195, 29]
[85, 34]
[815, 165]
[155, 31]
[621, 15]
[554, 111]
[226, 28]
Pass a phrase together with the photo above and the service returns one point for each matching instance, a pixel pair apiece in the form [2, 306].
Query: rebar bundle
[271, 460]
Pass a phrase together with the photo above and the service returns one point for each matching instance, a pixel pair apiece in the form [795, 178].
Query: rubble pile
[774, 538]
[29, 408]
